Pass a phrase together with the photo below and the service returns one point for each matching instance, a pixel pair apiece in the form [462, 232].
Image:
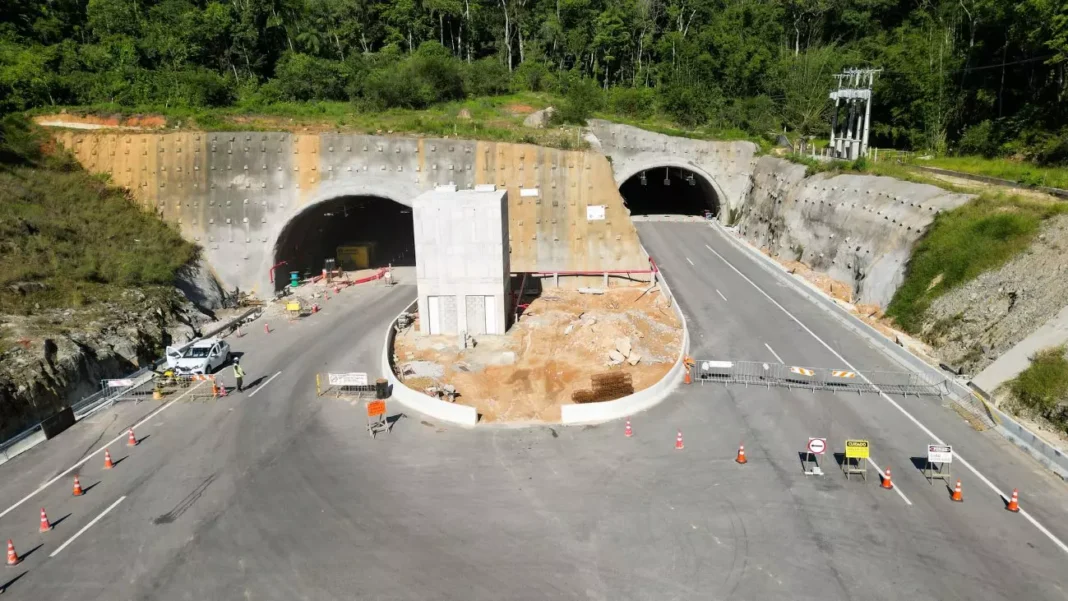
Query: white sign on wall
[595, 213]
[528, 192]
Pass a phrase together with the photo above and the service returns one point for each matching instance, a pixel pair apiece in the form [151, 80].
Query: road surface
[277, 494]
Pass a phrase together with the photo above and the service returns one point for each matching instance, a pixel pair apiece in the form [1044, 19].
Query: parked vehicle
[200, 357]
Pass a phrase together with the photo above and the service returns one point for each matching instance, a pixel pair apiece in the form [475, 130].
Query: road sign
[939, 453]
[817, 446]
[856, 449]
[376, 408]
[349, 379]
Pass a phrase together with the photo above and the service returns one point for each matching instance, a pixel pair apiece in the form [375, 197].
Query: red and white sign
[817, 446]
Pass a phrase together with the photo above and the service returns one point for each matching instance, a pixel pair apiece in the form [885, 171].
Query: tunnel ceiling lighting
[690, 179]
[667, 176]
[643, 178]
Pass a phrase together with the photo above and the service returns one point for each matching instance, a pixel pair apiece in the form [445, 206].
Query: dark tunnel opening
[358, 232]
[669, 191]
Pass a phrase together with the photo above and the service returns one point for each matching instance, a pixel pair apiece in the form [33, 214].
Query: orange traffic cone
[628, 432]
[45, 524]
[887, 483]
[1014, 502]
[12, 557]
[131, 440]
[77, 487]
[741, 455]
[267, 328]
[107, 460]
[957, 495]
[686, 379]
[678, 441]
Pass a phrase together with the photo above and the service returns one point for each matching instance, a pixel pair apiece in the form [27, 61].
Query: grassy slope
[66, 238]
[1024, 173]
[1043, 386]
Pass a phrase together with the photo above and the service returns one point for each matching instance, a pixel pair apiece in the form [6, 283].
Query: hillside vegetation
[66, 238]
[981, 76]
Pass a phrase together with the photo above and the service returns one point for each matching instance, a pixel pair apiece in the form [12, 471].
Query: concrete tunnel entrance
[358, 232]
[670, 191]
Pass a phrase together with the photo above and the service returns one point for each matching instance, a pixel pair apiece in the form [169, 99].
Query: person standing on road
[239, 374]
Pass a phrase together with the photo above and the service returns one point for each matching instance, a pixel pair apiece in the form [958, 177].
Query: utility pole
[849, 140]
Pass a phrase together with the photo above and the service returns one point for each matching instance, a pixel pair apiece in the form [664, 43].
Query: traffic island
[567, 347]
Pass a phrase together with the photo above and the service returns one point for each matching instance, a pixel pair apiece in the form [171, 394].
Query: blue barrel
[294, 279]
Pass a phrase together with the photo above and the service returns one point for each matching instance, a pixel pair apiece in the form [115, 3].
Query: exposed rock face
[59, 357]
[974, 324]
[539, 119]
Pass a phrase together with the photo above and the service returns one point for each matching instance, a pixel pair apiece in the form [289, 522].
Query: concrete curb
[1048, 456]
[454, 413]
[590, 413]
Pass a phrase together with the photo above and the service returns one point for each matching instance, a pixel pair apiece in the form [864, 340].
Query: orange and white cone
[741, 455]
[628, 432]
[678, 441]
[107, 460]
[266, 328]
[1014, 502]
[12, 557]
[45, 524]
[958, 496]
[887, 483]
[77, 487]
[131, 440]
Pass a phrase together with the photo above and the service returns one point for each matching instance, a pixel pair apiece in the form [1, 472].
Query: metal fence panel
[756, 373]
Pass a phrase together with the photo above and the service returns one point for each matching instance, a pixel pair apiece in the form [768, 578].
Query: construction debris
[591, 290]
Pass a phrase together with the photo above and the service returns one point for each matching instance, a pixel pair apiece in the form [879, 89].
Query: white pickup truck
[200, 357]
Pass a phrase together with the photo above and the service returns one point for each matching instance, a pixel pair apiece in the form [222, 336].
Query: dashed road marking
[689, 261]
[87, 526]
[896, 488]
[774, 353]
[1060, 544]
[262, 386]
[720, 294]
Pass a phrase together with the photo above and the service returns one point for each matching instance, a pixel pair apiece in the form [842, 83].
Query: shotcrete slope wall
[858, 229]
[233, 193]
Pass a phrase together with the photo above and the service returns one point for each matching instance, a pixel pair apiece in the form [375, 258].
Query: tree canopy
[981, 76]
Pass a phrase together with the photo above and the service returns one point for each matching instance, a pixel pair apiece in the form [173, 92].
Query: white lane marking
[98, 451]
[774, 353]
[689, 261]
[720, 294]
[87, 526]
[261, 386]
[896, 488]
[896, 405]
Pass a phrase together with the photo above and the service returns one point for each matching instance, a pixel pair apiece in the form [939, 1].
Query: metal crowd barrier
[756, 373]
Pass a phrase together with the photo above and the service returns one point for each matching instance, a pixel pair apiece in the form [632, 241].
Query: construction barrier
[815, 378]
[351, 384]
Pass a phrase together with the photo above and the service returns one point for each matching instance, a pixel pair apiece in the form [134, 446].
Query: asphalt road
[277, 494]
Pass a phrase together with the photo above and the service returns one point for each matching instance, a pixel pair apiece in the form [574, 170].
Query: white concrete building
[461, 261]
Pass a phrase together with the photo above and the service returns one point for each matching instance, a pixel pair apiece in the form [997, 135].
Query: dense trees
[987, 76]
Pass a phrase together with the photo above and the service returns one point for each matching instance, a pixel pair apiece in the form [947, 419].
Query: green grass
[962, 243]
[1017, 171]
[1043, 386]
[66, 238]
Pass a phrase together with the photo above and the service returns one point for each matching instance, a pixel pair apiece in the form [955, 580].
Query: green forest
[958, 76]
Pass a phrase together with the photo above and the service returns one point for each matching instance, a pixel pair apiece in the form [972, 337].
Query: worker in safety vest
[239, 374]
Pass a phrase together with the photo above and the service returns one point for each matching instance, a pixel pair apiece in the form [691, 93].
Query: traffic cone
[678, 441]
[337, 290]
[222, 390]
[107, 460]
[686, 379]
[628, 432]
[741, 455]
[267, 328]
[12, 557]
[131, 440]
[887, 483]
[239, 332]
[957, 495]
[1014, 502]
[77, 487]
[45, 524]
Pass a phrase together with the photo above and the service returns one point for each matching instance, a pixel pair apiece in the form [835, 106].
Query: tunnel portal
[358, 232]
[669, 191]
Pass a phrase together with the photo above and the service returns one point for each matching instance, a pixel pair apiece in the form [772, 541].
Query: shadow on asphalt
[60, 520]
[6, 585]
[120, 460]
[30, 552]
[86, 490]
[140, 440]
[919, 463]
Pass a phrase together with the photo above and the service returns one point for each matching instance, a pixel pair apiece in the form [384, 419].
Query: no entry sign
[817, 446]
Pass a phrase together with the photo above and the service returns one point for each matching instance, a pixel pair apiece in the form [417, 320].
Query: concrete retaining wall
[233, 193]
[454, 413]
[858, 229]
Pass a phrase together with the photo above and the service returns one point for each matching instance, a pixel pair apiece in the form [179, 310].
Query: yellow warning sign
[856, 449]
[293, 307]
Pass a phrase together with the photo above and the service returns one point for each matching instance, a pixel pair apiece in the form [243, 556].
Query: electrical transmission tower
[852, 113]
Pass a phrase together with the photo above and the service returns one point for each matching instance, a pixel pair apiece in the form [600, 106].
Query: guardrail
[107, 396]
[756, 373]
